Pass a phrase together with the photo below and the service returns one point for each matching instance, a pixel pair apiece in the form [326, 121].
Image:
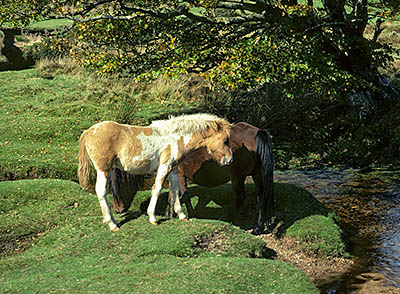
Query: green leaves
[21, 12]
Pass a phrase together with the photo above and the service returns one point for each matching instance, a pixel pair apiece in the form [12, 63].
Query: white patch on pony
[101, 190]
[150, 153]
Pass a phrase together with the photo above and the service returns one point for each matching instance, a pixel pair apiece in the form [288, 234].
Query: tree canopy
[233, 43]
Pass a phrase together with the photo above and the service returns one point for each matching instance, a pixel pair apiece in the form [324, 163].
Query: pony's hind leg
[101, 191]
[238, 187]
[174, 187]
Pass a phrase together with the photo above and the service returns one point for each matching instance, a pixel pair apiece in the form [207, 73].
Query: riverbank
[367, 204]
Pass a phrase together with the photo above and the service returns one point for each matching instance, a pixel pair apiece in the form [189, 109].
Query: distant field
[50, 24]
[390, 35]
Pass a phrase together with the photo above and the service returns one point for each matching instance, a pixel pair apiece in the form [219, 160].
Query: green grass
[53, 240]
[42, 117]
[49, 24]
[319, 234]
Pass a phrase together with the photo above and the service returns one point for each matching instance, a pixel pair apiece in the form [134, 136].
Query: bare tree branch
[182, 10]
[378, 29]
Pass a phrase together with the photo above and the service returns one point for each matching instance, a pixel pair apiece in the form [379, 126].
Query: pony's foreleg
[101, 191]
[155, 192]
[174, 188]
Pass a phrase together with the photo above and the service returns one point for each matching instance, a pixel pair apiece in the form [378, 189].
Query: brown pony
[252, 155]
[145, 150]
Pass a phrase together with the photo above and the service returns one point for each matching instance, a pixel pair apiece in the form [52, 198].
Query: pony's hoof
[154, 223]
[185, 219]
[116, 229]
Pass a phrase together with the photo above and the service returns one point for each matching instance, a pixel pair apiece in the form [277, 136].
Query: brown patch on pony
[181, 146]
[244, 135]
[211, 137]
[142, 164]
[105, 143]
[165, 155]
[134, 146]
[215, 127]
[147, 131]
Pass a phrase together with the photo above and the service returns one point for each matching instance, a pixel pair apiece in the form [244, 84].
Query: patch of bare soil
[216, 242]
[13, 243]
[315, 266]
[321, 269]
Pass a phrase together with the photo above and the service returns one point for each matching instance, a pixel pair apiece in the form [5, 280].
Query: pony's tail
[84, 168]
[264, 150]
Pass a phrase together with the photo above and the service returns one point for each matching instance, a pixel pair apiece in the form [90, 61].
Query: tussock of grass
[188, 88]
[318, 234]
[50, 67]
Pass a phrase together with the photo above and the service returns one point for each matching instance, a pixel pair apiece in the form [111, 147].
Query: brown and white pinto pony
[252, 156]
[157, 148]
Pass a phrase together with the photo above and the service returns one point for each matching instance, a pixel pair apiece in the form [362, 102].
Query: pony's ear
[219, 128]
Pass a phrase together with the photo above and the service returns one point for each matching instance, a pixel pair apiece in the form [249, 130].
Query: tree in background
[233, 43]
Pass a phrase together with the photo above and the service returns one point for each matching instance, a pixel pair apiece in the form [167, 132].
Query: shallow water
[369, 205]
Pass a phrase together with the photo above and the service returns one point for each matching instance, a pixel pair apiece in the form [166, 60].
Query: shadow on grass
[129, 216]
[292, 203]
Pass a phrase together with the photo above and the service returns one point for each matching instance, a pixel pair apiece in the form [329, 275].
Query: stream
[368, 203]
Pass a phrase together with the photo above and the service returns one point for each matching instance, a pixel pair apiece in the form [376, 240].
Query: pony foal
[157, 148]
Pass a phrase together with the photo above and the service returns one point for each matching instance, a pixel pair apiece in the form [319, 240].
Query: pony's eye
[226, 142]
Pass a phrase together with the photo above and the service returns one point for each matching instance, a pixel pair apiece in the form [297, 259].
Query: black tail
[124, 186]
[267, 201]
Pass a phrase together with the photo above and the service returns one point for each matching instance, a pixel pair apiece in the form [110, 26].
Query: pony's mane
[189, 124]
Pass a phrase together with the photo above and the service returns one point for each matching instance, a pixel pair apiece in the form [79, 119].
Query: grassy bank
[53, 240]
